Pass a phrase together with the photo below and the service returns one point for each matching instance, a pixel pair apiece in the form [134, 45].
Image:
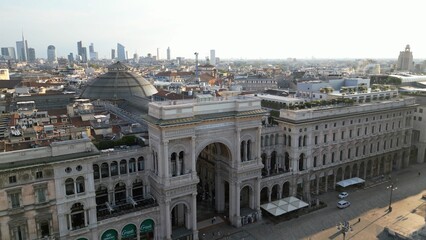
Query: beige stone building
[212, 156]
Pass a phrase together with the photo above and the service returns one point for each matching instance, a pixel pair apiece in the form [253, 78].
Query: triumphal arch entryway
[205, 160]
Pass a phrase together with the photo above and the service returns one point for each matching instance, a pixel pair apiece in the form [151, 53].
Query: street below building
[367, 216]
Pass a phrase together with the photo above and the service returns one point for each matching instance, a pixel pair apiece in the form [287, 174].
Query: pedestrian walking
[419, 174]
[359, 219]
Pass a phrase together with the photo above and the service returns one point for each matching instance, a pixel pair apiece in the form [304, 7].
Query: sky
[247, 29]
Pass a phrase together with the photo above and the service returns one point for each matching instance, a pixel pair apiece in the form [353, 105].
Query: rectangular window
[316, 140]
[332, 157]
[39, 174]
[350, 133]
[334, 137]
[356, 151]
[378, 146]
[343, 134]
[325, 126]
[40, 194]
[325, 138]
[341, 155]
[358, 131]
[420, 110]
[420, 118]
[15, 199]
[365, 130]
[371, 148]
[12, 179]
[372, 129]
[363, 150]
[349, 153]
[316, 127]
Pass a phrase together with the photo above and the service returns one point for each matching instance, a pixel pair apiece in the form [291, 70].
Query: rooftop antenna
[196, 66]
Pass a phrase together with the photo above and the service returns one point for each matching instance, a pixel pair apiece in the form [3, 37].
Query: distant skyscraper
[405, 60]
[51, 54]
[135, 57]
[121, 52]
[93, 55]
[112, 54]
[70, 58]
[8, 53]
[168, 53]
[22, 49]
[82, 51]
[158, 54]
[31, 55]
[212, 57]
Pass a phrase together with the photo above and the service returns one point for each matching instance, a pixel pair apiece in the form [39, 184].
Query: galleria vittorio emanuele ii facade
[202, 157]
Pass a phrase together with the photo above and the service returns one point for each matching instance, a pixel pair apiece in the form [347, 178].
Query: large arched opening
[213, 189]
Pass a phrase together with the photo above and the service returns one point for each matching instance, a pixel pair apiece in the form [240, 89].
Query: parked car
[343, 195]
[343, 204]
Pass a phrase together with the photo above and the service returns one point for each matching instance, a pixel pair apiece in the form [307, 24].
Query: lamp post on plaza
[391, 188]
[344, 227]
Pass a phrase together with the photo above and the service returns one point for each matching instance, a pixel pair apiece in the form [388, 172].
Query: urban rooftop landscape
[222, 120]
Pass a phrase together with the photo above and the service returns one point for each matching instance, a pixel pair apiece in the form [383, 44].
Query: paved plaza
[368, 215]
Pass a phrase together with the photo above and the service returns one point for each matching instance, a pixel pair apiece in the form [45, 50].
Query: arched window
[242, 149]
[271, 143]
[285, 139]
[141, 164]
[301, 163]
[181, 162]
[77, 216]
[304, 140]
[249, 149]
[174, 164]
[132, 165]
[101, 195]
[80, 184]
[114, 168]
[315, 161]
[123, 166]
[323, 159]
[104, 170]
[137, 190]
[300, 141]
[120, 193]
[276, 139]
[69, 186]
[289, 141]
[96, 173]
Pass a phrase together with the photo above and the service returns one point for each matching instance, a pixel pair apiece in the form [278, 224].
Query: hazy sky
[234, 28]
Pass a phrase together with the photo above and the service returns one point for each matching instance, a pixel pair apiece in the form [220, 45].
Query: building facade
[216, 154]
[405, 60]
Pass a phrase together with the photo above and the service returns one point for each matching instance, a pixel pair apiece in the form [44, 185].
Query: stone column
[194, 216]
[219, 191]
[193, 158]
[167, 218]
[238, 144]
[257, 146]
[165, 162]
[237, 203]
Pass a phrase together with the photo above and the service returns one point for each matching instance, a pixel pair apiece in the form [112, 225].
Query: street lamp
[344, 227]
[391, 188]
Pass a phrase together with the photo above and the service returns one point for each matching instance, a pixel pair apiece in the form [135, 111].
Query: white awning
[284, 205]
[351, 181]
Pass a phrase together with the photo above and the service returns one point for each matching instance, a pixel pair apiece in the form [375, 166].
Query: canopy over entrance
[351, 181]
[284, 205]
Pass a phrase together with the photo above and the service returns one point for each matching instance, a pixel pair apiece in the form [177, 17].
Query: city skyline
[237, 29]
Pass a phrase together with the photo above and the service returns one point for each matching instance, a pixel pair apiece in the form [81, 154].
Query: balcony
[106, 210]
